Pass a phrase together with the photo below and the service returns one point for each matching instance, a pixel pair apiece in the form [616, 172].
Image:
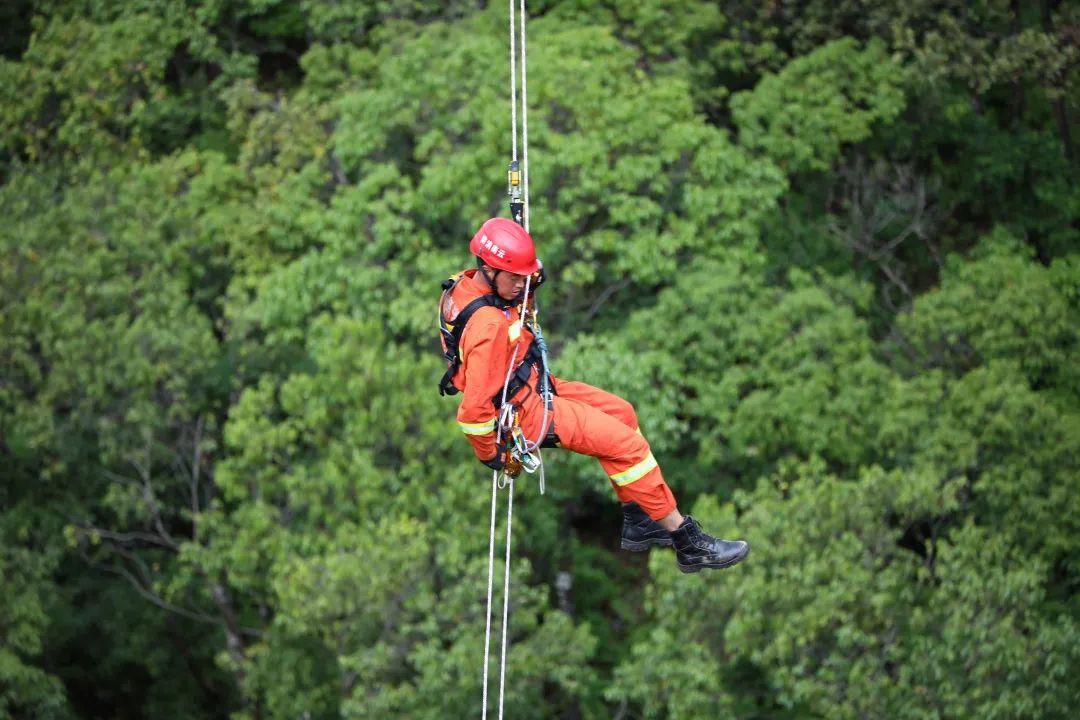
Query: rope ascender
[523, 454]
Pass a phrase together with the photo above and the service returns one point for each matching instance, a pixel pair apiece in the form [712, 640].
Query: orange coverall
[587, 420]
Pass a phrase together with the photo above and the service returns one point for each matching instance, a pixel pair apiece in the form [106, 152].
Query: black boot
[639, 531]
[695, 550]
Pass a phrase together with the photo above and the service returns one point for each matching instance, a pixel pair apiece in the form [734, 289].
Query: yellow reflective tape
[636, 472]
[478, 428]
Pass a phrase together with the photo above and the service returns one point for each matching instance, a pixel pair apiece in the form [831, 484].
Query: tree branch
[604, 296]
[129, 538]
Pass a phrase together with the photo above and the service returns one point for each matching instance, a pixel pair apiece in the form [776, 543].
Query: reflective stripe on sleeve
[634, 473]
[478, 428]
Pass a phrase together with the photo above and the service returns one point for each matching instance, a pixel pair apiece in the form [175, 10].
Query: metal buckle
[529, 462]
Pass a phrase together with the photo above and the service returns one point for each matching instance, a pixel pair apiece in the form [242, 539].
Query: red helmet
[505, 245]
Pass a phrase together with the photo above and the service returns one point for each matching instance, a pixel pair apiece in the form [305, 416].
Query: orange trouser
[593, 422]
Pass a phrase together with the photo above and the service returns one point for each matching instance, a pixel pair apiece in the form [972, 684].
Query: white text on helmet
[495, 249]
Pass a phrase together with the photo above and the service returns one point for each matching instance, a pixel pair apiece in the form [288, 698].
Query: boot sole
[643, 545]
[715, 566]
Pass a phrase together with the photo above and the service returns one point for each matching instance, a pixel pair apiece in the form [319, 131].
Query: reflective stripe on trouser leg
[623, 452]
[634, 472]
[642, 482]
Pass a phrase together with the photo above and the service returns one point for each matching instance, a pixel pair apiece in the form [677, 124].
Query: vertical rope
[513, 86]
[495, 475]
[491, 573]
[506, 595]
[524, 122]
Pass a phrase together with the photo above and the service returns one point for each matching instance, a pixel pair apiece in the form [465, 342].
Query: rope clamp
[529, 461]
[513, 189]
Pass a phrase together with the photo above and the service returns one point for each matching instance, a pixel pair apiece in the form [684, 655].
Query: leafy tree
[117, 383]
[826, 249]
[803, 116]
[84, 89]
[25, 688]
[603, 153]
[999, 305]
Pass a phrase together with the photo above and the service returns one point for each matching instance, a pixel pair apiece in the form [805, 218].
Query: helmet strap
[490, 278]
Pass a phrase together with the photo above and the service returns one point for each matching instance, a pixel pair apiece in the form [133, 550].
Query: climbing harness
[450, 334]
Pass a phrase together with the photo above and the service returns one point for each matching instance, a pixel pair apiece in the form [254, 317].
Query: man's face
[509, 286]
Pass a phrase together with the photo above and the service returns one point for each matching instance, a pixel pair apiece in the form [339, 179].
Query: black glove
[497, 462]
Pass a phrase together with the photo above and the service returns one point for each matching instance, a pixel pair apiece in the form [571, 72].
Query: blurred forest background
[829, 248]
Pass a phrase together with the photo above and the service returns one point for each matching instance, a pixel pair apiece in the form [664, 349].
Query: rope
[513, 86]
[524, 120]
[491, 573]
[506, 594]
[500, 429]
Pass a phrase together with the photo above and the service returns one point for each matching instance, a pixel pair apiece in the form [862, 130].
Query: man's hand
[506, 462]
[512, 466]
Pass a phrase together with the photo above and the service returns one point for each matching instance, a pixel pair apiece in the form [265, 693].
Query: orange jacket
[487, 348]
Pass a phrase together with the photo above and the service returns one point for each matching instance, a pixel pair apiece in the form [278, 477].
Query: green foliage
[25, 688]
[991, 636]
[651, 375]
[826, 249]
[1000, 306]
[86, 89]
[629, 174]
[799, 379]
[116, 375]
[108, 301]
[357, 20]
[955, 45]
[804, 115]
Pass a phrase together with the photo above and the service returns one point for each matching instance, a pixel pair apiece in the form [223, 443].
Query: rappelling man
[494, 359]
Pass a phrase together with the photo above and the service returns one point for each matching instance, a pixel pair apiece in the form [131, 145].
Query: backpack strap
[452, 332]
[521, 375]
